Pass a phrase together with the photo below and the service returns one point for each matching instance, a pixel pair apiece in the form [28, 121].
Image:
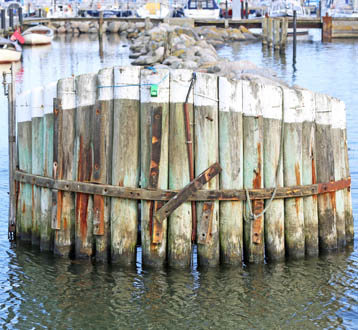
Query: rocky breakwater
[179, 47]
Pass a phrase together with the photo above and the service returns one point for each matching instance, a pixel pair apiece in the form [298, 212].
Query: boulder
[113, 27]
[84, 27]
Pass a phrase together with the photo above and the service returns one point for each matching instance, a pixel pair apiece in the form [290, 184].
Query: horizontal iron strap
[164, 195]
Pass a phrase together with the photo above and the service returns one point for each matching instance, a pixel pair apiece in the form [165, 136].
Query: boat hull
[8, 56]
[37, 39]
[202, 13]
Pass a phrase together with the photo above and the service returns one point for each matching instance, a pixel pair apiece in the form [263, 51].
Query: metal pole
[226, 9]
[20, 16]
[247, 9]
[12, 155]
[3, 19]
[11, 18]
[294, 35]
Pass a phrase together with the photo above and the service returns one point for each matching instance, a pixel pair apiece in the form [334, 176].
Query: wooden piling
[231, 159]
[37, 129]
[207, 153]
[154, 114]
[269, 32]
[284, 28]
[86, 89]
[126, 163]
[271, 104]
[276, 33]
[180, 221]
[46, 236]
[102, 131]
[348, 215]
[65, 226]
[264, 25]
[338, 126]
[326, 28]
[325, 173]
[309, 173]
[253, 172]
[24, 209]
[292, 160]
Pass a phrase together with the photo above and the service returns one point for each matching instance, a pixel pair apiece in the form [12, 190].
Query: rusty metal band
[165, 195]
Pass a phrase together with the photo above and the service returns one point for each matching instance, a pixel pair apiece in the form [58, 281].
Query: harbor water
[40, 291]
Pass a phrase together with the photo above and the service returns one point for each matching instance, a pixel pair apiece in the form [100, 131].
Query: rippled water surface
[39, 291]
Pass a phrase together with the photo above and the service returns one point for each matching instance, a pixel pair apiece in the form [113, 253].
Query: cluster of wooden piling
[96, 166]
[274, 32]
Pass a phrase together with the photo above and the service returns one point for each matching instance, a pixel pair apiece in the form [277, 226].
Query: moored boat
[153, 10]
[38, 35]
[10, 51]
[202, 9]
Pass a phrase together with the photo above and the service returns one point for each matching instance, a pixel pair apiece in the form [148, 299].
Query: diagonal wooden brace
[187, 192]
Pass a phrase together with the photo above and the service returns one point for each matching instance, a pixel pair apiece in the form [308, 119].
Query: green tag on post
[154, 90]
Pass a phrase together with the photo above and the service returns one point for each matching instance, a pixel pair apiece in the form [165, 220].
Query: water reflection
[47, 292]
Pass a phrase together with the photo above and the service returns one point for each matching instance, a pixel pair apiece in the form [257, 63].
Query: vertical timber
[126, 163]
[231, 160]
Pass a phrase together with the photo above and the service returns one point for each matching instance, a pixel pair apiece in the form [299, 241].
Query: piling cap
[37, 102]
[49, 94]
[230, 95]
[126, 82]
[323, 109]
[23, 109]
[338, 113]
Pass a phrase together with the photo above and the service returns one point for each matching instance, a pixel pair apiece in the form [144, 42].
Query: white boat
[286, 8]
[10, 51]
[153, 10]
[202, 9]
[38, 35]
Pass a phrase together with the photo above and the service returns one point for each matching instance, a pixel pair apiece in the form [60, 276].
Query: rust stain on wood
[298, 174]
[206, 221]
[256, 183]
[314, 178]
[98, 218]
[257, 205]
[332, 198]
[81, 213]
[59, 208]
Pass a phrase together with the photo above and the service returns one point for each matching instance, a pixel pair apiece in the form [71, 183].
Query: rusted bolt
[96, 167]
[98, 111]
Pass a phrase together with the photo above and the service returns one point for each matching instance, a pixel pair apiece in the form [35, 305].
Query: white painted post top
[126, 82]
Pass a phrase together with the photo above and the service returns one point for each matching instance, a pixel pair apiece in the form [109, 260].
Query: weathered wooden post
[207, 153]
[348, 215]
[326, 28]
[154, 160]
[264, 26]
[338, 126]
[46, 240]
[180, 221]
[253, 132]
[37, 111]
[126, 163]
[24, 140]
[64, 223]
[86, 89]
[309, 175]
[102, 159]
[325, 173]
[292, 160]
[271, 98]
[284, 28]
[276, 33]
[270, 32]
[231, 160]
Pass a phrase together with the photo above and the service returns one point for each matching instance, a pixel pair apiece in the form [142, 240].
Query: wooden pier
[248, 169]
